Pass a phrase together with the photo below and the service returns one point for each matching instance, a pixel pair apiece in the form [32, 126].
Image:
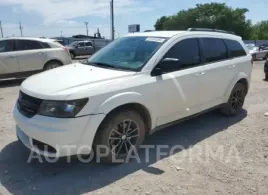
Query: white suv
[129, 89]
[23, 56]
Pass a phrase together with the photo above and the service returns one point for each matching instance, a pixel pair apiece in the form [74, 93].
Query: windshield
[73, 44]
[128, 53]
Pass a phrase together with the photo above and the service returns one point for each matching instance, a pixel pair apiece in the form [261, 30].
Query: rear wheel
[266, 76]
[118, 135]
[236, 100]
[52, 65]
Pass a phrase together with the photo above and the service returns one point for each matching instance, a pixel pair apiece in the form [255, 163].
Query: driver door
[81, 49]
[181, 82]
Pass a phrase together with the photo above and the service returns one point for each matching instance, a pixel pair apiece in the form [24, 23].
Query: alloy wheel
[237, 100]
[123, 137]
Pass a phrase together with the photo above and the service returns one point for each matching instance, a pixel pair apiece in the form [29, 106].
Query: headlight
[62, 109]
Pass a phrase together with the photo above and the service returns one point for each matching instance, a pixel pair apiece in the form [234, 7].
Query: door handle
[10, 57]
[200, 74]
[232, 66]
[40, 53]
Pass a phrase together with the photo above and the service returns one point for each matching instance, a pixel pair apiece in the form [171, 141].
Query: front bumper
[56, 137]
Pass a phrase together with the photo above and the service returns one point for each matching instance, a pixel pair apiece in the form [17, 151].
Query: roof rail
[210, 30]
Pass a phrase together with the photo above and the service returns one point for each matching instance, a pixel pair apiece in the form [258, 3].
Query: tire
[52, 65]
[72, 55]
[254, 57]
[266, 76]
[236, 100]
[265, 57]
[111, 136]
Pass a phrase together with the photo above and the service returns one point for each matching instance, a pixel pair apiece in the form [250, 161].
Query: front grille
[28, 105]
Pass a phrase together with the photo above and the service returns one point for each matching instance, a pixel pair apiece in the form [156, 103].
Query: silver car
[80, 48]
[21, 57]
[257, 52]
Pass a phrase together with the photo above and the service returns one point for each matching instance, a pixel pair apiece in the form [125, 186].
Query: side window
[214, 49]
[187, 53]
[235, 48]
[28, 45]
[6, 46]
[81, 44]
[88, 44]
[44, 45]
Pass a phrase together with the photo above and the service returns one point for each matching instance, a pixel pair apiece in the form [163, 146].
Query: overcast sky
[50, 17]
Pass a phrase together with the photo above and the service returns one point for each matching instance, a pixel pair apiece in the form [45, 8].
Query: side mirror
[166, 63]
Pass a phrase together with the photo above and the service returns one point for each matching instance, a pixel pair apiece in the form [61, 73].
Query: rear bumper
[54, 137]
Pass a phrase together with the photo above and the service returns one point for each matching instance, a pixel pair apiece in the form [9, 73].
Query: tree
[160, 22]
[208, 15]
[260, 31]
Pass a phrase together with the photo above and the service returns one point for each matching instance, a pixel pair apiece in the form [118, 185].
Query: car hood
[57, 84]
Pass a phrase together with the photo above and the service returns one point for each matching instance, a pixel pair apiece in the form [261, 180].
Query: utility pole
[112, 18]
[1, 29]
[86, 23]
[61, 33]
[21, 30]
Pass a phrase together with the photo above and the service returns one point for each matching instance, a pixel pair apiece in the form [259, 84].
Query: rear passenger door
[219, 69]
[31, 55]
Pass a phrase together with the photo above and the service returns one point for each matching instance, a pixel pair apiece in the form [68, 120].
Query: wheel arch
[127, 100]
[240, 78]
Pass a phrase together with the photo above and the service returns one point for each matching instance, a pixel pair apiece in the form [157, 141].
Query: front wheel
[72, 55]
[265, 57]
[254, 57]
[117, 137]
[236, 100]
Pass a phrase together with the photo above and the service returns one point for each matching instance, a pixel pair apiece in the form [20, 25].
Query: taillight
[252, 60]
[67, 50]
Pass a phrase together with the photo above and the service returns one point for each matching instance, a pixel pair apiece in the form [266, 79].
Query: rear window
[235, 48]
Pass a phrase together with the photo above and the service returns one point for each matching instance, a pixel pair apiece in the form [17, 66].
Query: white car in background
[23, 56]
[256, 52]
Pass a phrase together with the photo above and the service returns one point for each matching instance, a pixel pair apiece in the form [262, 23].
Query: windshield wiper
[101, 64]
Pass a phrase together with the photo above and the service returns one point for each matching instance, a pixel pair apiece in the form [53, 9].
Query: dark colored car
[266, 69]
[80, 48]
[263, 46]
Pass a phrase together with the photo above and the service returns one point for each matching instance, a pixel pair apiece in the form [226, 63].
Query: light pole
[1, 29]
[86, 23]
[112, 18]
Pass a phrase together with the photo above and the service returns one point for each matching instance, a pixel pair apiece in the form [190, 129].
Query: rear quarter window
[235, 49]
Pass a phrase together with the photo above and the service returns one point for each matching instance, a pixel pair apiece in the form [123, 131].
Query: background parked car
[80, 48]
[21, 57]
[260, 52]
